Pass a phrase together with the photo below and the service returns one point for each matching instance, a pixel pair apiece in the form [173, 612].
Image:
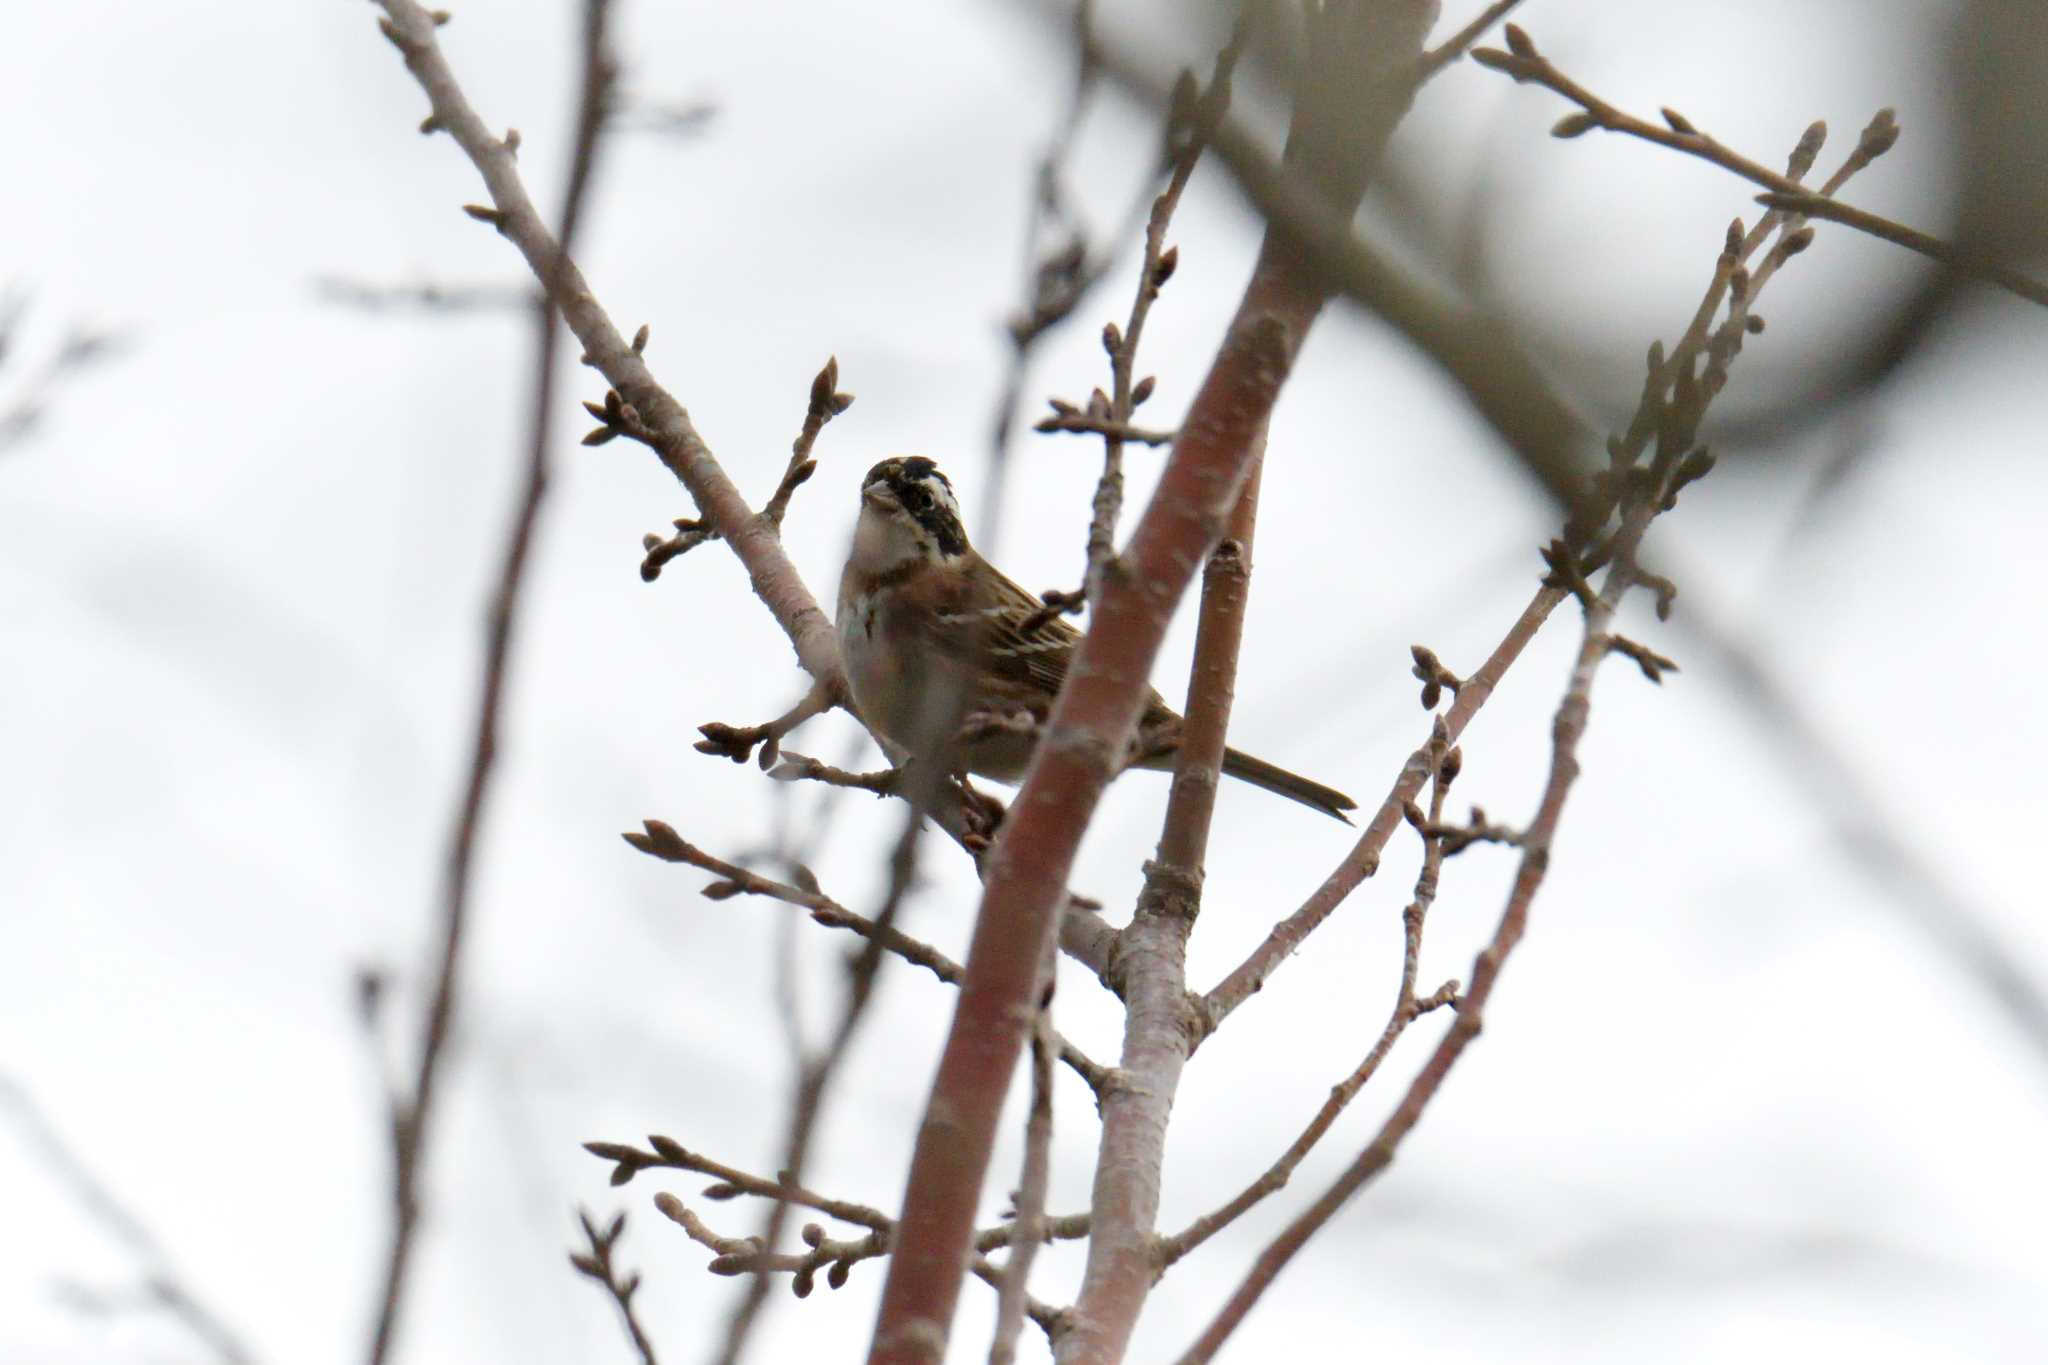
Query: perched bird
[924, 620]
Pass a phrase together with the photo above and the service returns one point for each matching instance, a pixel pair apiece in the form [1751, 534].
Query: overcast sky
[1735, 1100]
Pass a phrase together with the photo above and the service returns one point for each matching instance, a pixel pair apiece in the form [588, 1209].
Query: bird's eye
[916, 499]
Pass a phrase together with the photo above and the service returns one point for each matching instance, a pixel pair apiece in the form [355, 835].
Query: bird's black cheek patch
[945, 530]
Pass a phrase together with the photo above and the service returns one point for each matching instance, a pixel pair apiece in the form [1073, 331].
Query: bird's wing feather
[1026, 667]
[987, 614]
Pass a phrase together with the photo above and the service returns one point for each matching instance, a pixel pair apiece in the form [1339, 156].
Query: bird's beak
[880, 497]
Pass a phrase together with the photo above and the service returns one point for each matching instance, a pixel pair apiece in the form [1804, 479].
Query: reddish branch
[1347, 107]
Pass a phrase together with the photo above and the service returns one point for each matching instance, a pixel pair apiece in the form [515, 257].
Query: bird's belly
[887, 685]
[895, 689]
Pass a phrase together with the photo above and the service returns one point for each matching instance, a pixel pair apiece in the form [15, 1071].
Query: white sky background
[1730, 1103]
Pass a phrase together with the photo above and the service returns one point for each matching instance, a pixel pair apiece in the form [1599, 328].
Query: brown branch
[796, 767]
[1074, 420]
[1784, 193]
[1957, 258]
[1475, 349]
[826, 402]
[1363, 860]
[414, 1112]
[427, 296]
[837, 1257]
[1160, 1023]
[1673, 403]
[667, 428]
[737, 742]
[1191, 120]
[164, 1287]
[596, 1264]
[753, 1254]
[1637, 494]
[664, 1153]
[1059, 274]
[82, 349]
[1868, 836]
[1408, 1007]
[1568, 730]
[1029, 1222]
[1454, 47]
[661, 841]
[816, 1072]
[1356, 93]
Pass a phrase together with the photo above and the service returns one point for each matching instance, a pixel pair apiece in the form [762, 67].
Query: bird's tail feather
[1280, 782]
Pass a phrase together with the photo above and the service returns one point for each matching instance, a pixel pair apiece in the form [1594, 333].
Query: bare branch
[596, 1264]
[1359, 89]
[1406, 1010]
[427, 296]
[1161, 1024]
[661, 841]
[1013, 1294]
[1568, 730]
[1674, 401]
[1082, 424]
[1955, 257]
[411, 1119]
[657, 417]
[1454, 47]
[1784, 192]
[165, 1288]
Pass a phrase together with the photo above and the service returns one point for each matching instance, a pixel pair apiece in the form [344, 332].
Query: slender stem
[414, 1112]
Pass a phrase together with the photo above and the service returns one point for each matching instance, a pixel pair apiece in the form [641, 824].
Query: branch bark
[1161, 1022]
[1358, 84]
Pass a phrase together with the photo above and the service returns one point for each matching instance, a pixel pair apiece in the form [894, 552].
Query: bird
[925, 622]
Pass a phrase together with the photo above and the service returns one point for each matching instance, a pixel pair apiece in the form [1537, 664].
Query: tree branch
[411, 1118]
[1160, 1023]
[596, 1264]
[1357, 90]
[669, 430]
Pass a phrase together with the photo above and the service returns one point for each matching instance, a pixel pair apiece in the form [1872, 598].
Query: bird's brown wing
[989, 613]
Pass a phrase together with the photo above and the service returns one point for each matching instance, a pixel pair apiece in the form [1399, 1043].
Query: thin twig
[1408, 1007]
[411, 1120]
[1567, 732]
[165, 1288]
[596, 1264]
[1955, 257]
[1080, 423]
[650, 412]
[1679, 133]
[816, 1073]
[427, 296]
[1059, 274]
[1454, 47]
[751, 1255]
[1014, 1294]
[1476, 349]
[1672, 405]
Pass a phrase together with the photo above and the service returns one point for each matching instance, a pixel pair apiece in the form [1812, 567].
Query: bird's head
[907, 513]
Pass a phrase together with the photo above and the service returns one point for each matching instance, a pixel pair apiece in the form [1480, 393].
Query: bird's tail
[1280, 782]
